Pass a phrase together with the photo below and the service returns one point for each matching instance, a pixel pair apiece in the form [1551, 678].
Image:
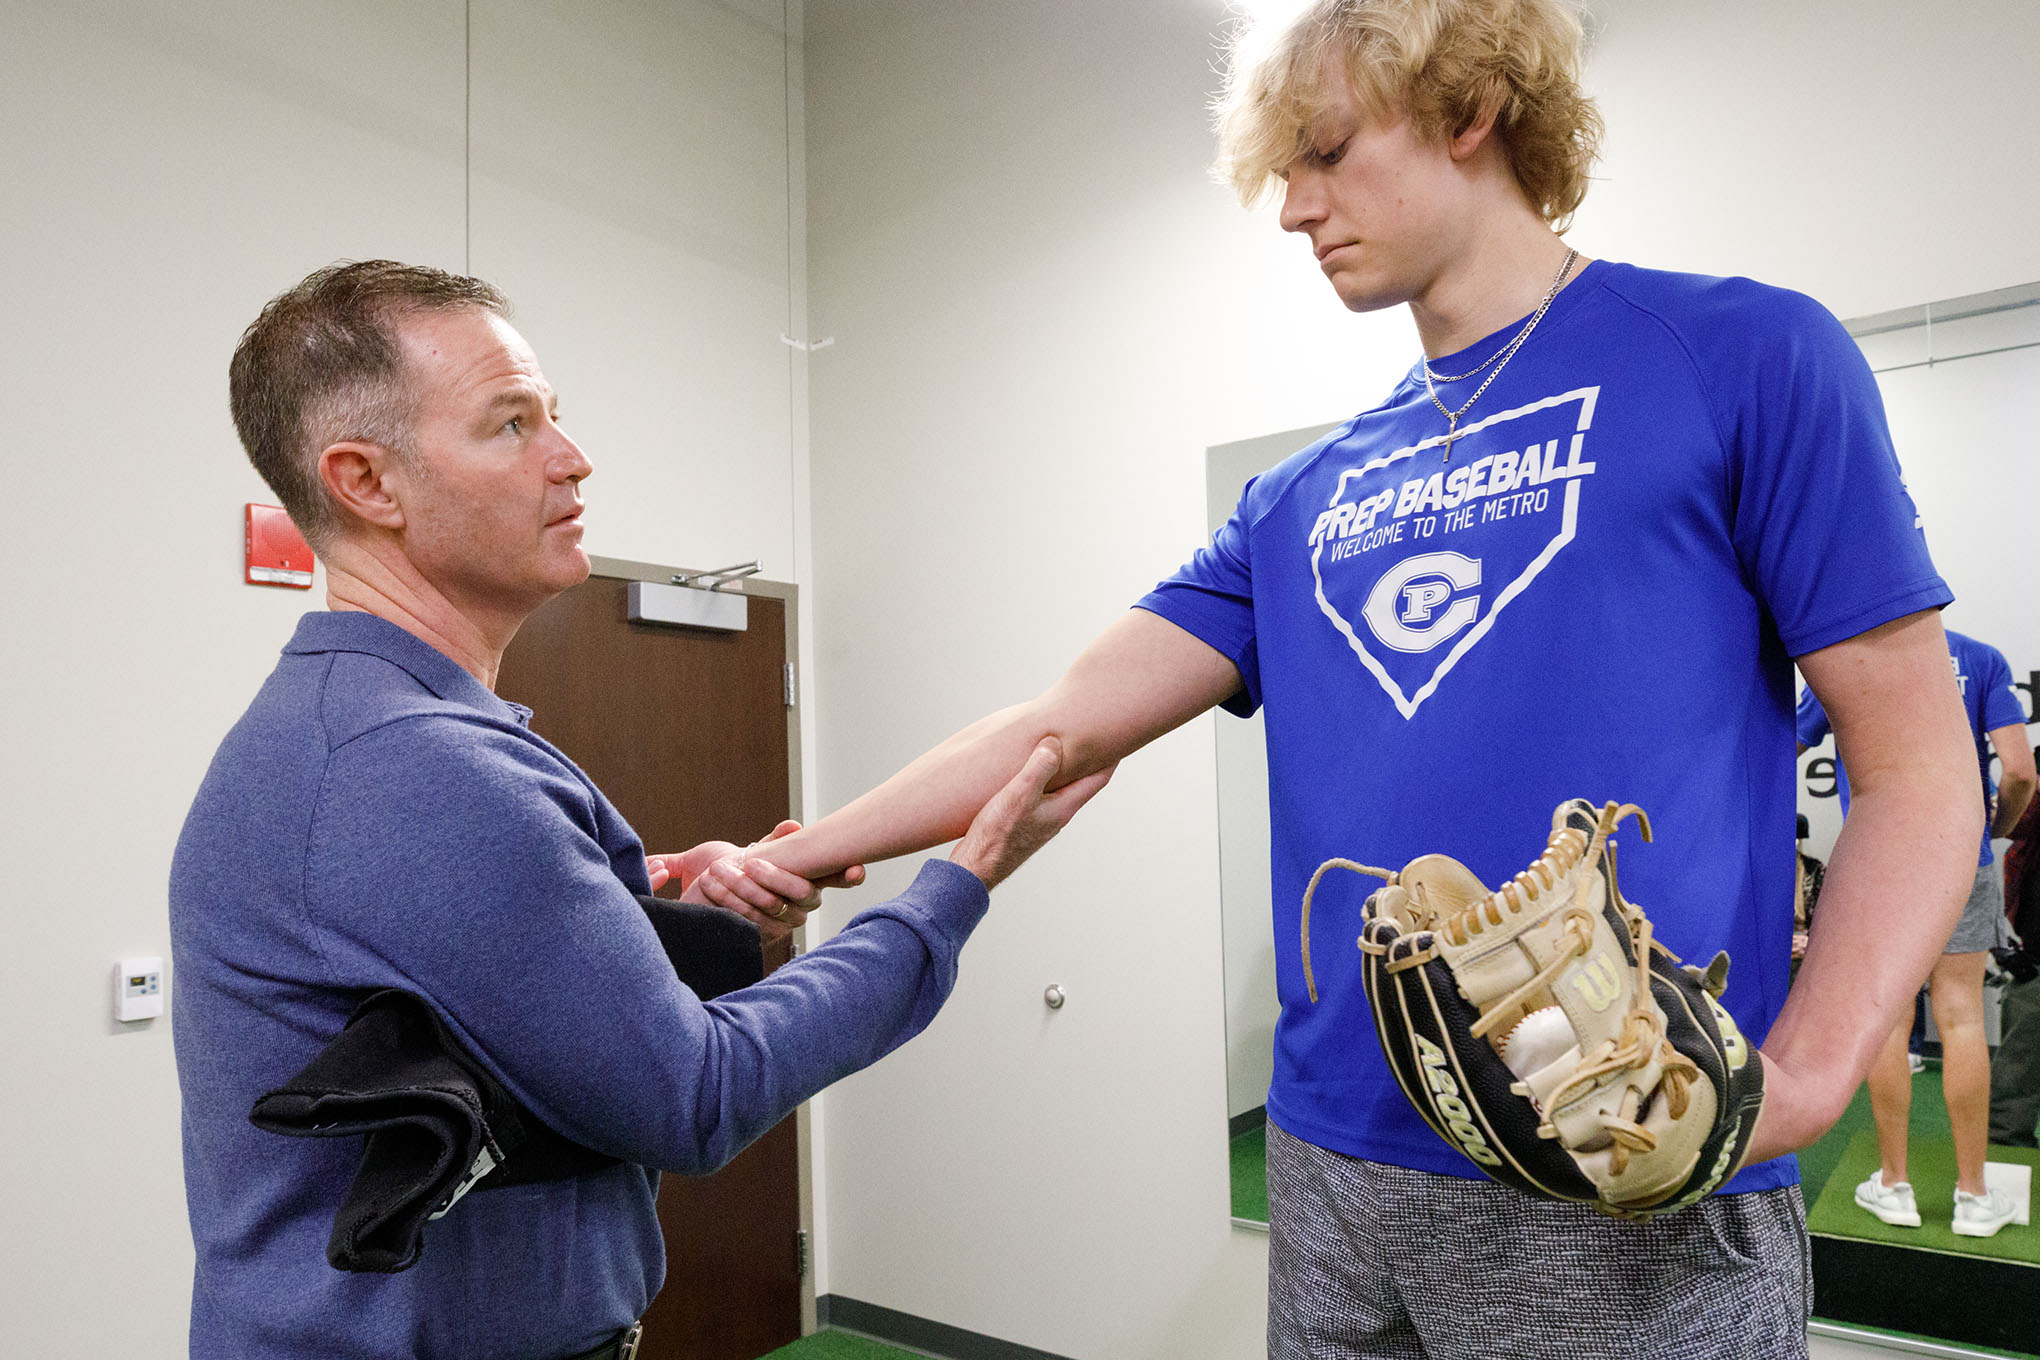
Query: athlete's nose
[1302, 201]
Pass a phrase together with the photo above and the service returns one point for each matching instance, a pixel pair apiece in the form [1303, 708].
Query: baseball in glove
[1543, 1032]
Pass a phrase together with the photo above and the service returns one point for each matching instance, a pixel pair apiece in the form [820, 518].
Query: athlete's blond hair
[1443, 63]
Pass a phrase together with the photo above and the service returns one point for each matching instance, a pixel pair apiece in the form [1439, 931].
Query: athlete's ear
[1475, 133]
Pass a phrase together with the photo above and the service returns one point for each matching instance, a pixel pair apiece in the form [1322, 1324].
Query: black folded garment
[436, 1124]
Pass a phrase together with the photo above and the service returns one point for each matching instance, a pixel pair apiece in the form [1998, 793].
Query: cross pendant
[1451, 433]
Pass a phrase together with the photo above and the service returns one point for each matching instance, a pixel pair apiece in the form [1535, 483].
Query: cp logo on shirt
[1420, 603]
[1478, 532]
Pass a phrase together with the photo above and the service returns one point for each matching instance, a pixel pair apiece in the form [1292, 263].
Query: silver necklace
[1500, 359]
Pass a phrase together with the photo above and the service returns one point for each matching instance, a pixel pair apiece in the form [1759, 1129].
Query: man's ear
[357, 475]
[1477, 133]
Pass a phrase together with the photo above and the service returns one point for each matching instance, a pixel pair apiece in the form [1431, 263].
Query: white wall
[1873, 153]
[168, 166]
[1973, 466]
[1960, 426]
[1044, 316]
[631, 195]
[1240, 750]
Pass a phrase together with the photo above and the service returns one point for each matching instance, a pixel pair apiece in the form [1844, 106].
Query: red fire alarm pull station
[277, 553]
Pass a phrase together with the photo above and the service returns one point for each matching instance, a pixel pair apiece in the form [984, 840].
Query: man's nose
[569, 464]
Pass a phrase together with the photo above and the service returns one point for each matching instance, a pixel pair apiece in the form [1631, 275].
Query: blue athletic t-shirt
[1990, 699]
[1676, 485]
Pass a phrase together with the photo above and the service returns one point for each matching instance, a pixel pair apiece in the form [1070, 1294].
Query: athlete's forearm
[929, 802]
[1142, 677]
[1894, 887]
[2013, 798]
[2017, 782]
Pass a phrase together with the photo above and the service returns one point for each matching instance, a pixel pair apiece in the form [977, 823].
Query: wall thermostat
[138, 989]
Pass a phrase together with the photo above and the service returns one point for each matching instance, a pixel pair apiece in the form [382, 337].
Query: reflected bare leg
[1956, 987]
[1891, 1101]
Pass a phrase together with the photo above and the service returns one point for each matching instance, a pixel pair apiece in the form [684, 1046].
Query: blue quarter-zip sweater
[379, 818]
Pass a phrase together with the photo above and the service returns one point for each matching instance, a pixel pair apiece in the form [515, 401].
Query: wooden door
[686, 731]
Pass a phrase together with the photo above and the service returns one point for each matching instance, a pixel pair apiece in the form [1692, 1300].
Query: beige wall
[167, 167]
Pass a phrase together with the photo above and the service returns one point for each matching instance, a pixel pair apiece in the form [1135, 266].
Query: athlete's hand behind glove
[1543, 1032]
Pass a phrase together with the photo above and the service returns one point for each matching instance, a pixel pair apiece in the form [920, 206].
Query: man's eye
[1334, 156]
[515, 425]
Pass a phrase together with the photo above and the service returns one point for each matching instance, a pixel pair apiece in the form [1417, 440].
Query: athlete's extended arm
[2016, 777]
[1140, 678]
[1898, 877]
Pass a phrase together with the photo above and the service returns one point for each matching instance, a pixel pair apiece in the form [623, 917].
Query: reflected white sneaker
[1980, 1215]
[1894, 1203]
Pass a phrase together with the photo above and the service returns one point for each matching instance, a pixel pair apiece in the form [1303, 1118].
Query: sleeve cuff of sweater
[942, 905]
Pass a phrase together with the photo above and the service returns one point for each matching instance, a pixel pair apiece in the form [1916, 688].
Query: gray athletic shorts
[1978, 928]
[1371, 1260]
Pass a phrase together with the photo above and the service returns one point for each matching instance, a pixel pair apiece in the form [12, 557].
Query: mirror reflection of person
[2015, 1070]
[1807, 880]
[1955, 985]
[1635, 498]
[379, 818]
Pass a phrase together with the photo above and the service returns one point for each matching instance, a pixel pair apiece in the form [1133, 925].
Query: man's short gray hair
[323, 363]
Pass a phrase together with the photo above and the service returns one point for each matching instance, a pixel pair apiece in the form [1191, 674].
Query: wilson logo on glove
[1543, 1032]
[1597, 983]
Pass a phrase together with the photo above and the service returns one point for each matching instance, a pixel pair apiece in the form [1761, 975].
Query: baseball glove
[1543, 1032]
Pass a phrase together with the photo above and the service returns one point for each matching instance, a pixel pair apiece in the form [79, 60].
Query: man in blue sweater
[379, 818]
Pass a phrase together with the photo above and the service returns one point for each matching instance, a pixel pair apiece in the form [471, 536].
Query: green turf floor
[1930, 1165]
[1831, 1169]
[831, 1344]
[1929, 1120]
[1250, 1175]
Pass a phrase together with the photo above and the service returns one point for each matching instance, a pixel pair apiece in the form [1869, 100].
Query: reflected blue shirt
[1989, 699]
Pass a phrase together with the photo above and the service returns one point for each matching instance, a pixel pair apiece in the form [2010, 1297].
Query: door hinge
[801, 1251]
[792, 690]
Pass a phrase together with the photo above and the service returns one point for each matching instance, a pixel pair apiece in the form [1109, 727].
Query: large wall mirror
[1959, 378]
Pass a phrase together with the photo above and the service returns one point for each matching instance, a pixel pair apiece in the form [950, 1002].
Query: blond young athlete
[1575, 551]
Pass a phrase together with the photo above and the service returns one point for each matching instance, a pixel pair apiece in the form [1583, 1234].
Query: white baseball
[1536, 1041]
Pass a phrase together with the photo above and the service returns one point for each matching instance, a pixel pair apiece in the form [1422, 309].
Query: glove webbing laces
[1522, 893]
[1643, 1037]
[1309, 981]
[1561, 856]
